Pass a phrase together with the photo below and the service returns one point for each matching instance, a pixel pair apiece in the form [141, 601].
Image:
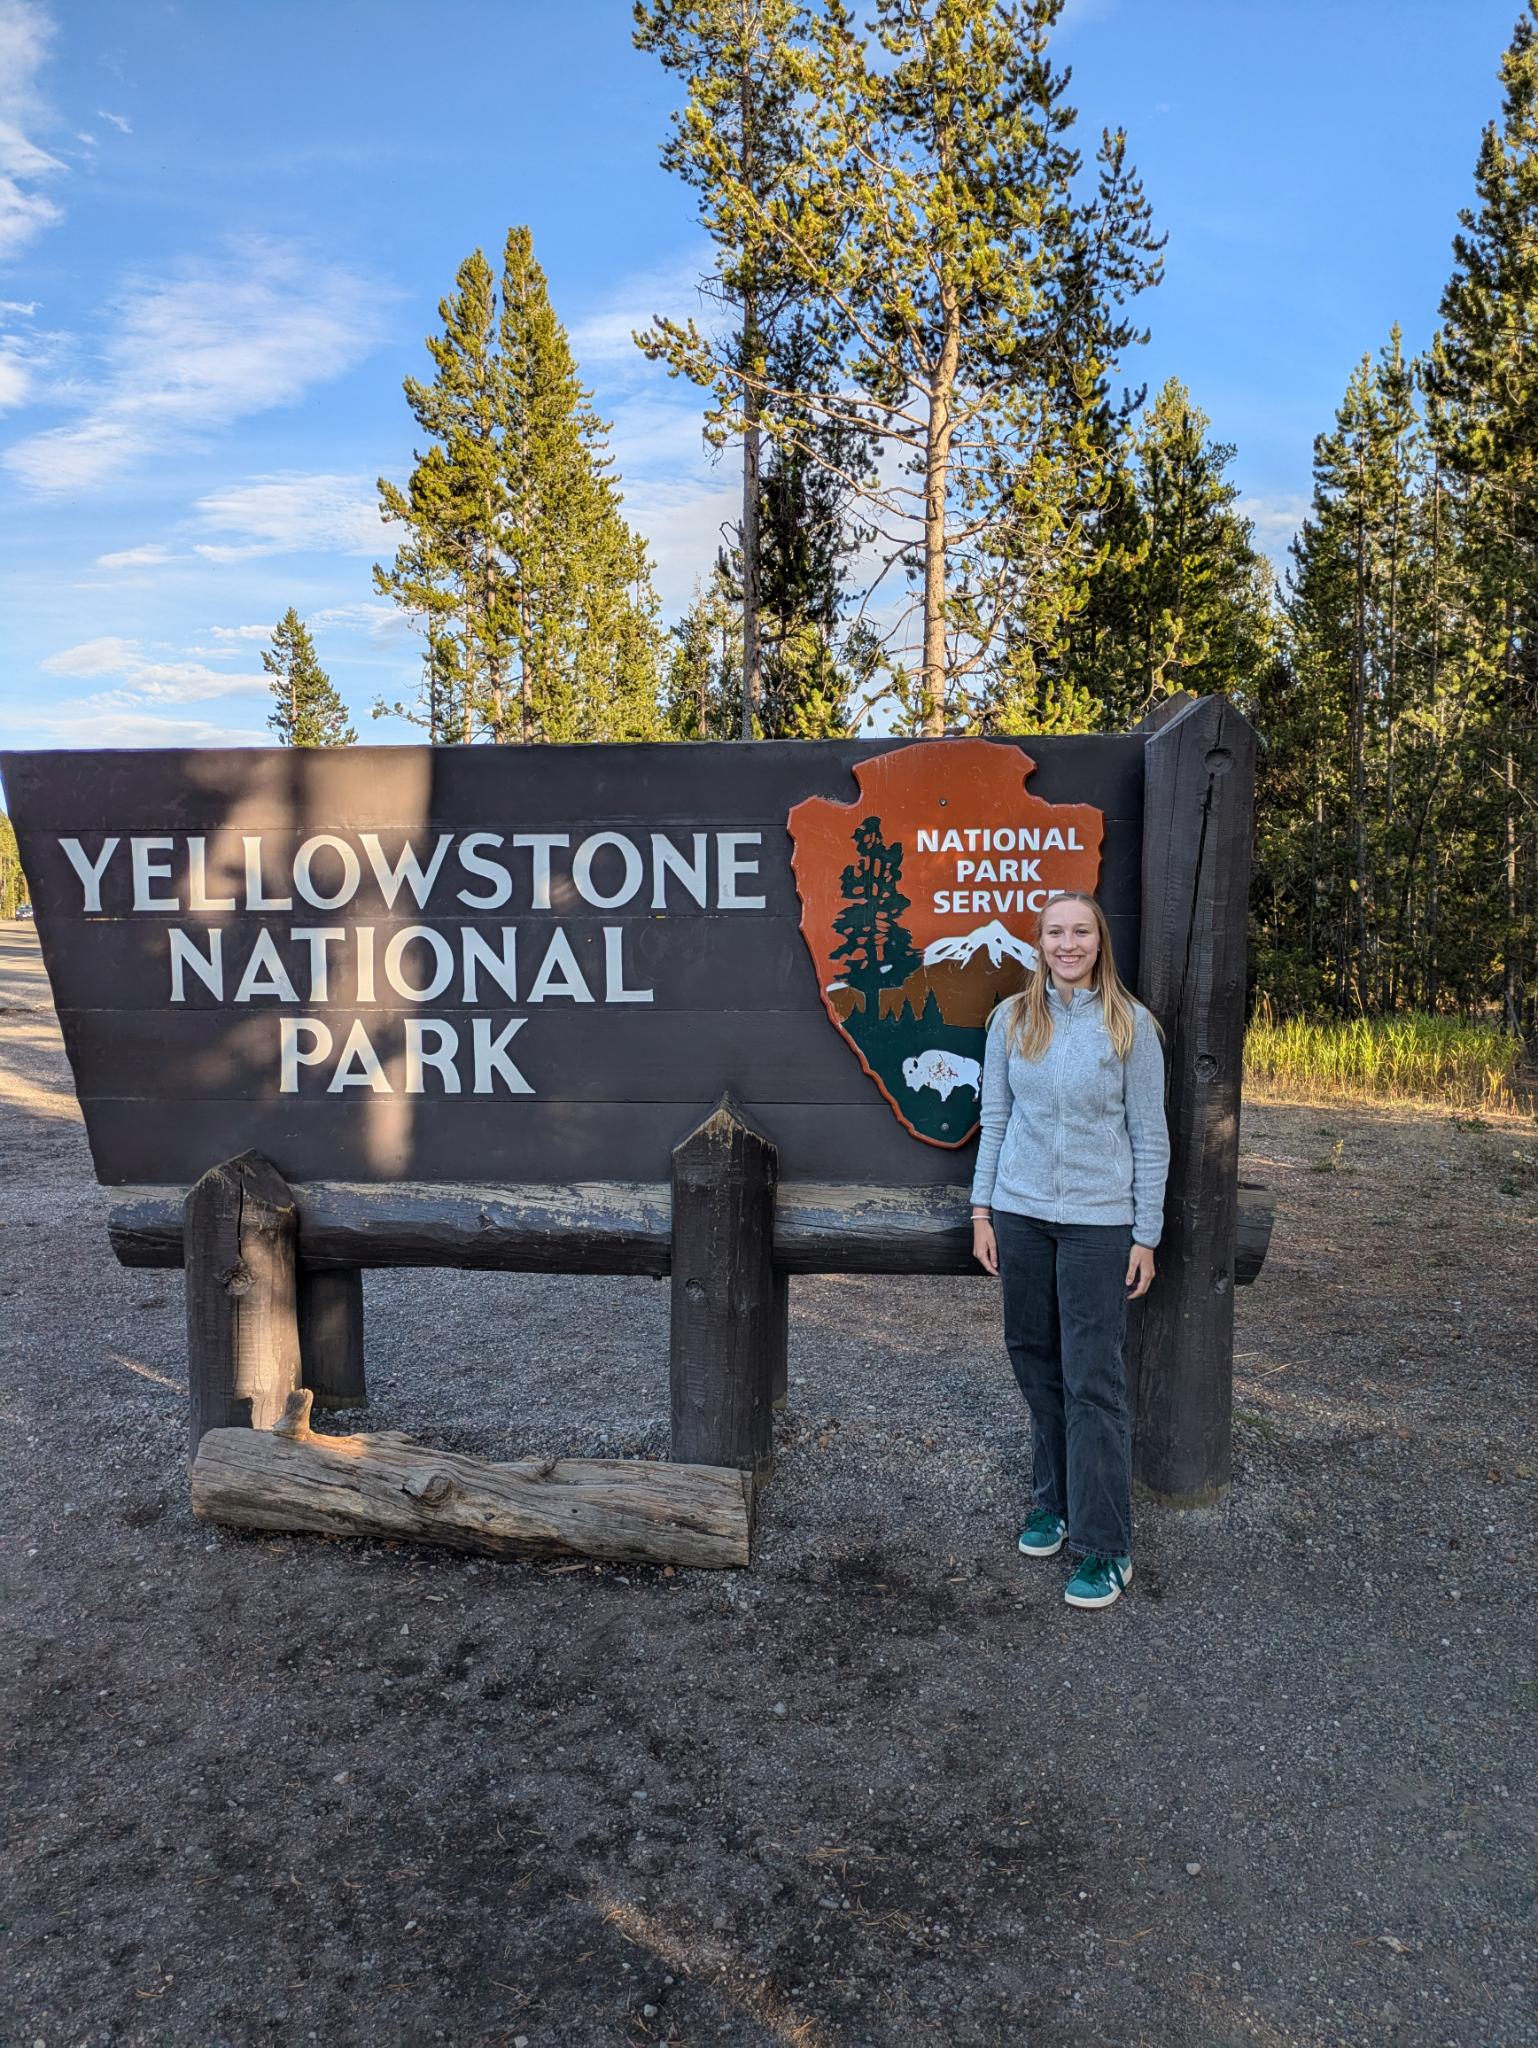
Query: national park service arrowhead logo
[916, 902]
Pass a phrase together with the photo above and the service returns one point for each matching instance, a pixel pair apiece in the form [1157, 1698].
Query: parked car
[25, 910]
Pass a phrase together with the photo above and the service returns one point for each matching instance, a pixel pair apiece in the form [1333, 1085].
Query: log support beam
[240, 1231]
[727, 1342]
[1198, 823]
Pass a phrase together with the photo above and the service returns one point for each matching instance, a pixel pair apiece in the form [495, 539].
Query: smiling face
[1070, 943]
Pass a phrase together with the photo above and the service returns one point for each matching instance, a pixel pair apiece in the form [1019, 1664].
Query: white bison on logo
[942, 1071]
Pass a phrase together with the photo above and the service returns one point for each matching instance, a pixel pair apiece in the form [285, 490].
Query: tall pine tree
[307, 710]
[533, 592]
[1484, 380]
[734, 141]
[975, 287]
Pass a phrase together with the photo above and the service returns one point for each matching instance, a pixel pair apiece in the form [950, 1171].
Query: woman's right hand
[985, 1247]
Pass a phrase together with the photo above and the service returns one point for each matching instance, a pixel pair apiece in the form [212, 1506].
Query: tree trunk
[937, 458]
[752, 659]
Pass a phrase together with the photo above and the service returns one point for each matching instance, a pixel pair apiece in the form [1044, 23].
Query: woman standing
[1068, 1205]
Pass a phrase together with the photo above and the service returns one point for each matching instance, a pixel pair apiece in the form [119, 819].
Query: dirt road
[885, 1789]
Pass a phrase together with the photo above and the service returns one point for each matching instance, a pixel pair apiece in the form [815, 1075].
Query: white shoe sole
[1030, 1550]
[1105, 1599]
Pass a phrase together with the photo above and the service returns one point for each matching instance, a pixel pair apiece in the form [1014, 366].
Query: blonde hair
[1030, 1023]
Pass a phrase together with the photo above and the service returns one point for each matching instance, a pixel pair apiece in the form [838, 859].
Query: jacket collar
[1081, 998]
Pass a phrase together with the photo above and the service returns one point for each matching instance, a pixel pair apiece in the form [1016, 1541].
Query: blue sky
[225, 226]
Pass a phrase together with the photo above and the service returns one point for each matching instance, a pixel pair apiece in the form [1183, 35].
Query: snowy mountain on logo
[999, 943]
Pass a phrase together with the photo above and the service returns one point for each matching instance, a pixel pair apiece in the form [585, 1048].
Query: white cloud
[241, 632]
[188, 355]
[105, 728]
[25, 32]
[136, 558]
[175, 682]
[108, 656]
[294, 513]
[606, 333]
[373, 619]
[682, 525]
[1276, 520]
[142, 681]
[15, 379]
[23, 308]
[119, 121]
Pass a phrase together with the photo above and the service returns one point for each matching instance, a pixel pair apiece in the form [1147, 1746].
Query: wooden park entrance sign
[708, 1011]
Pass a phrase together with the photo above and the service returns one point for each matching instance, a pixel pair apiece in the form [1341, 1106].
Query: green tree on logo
[875, 951]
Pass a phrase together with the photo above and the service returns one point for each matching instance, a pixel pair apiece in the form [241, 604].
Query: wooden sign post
[708, 1011]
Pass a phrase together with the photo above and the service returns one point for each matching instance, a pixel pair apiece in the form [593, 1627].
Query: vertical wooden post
[331, 1335]
[779, 1341]
[241, 1231]
[726, 1331]
[1198, 822]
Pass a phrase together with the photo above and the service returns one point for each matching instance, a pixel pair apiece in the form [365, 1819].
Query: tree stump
[240, 1231]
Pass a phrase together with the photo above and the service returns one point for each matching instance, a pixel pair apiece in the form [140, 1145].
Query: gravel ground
[886, 1788]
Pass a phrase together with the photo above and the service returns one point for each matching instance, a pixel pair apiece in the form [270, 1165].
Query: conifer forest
[960, 514]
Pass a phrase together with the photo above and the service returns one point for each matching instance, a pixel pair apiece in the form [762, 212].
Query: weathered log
[599, 1227]
[727, 1326]
[242, 1315]
[588, 1227]
[1198, 821]
[572, 1227]
[331, 1335]
[386, 1486]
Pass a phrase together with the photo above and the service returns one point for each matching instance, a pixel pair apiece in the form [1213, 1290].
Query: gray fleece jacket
[1079, 1136]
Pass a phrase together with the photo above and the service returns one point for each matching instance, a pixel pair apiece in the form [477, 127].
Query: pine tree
[1484, 382]
[308, 712]
[736, 136]
[1179, 598]
[13, 883]
[937, 220]
[703, 698]
[810, 535]
[447, 568]
[534, 594]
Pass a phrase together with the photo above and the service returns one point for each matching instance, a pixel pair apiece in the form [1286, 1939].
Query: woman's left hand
[1140, 1271]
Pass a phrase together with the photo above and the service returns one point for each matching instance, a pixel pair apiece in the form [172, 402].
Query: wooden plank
[715, 961]
[567, 1055]
[1198, 828]
[331, 1336]
[384, 789]
[240, 1229]
[398, 1139]
[628, 1510]
[725, 1326]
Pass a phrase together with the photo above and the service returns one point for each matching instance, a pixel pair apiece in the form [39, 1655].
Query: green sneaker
[1098, 1581]
[1042, 1535]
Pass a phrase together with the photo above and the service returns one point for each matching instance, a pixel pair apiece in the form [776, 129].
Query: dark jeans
[1065, 1315]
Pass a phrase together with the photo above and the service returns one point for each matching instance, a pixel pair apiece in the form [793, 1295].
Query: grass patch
[1411, 1058]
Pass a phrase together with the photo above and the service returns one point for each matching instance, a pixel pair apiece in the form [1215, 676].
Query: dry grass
[1414, 1058]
